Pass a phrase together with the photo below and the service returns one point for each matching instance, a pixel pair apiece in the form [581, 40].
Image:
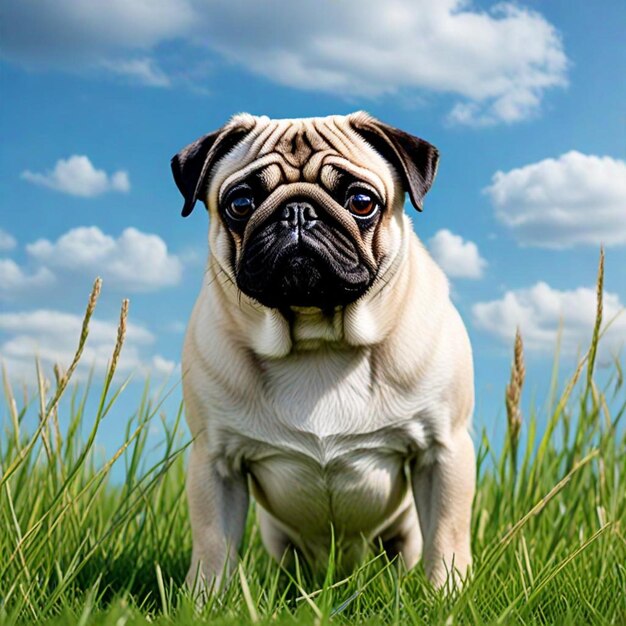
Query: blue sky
[525, 102]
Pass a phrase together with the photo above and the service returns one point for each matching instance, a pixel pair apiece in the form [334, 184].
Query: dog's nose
[298, 215]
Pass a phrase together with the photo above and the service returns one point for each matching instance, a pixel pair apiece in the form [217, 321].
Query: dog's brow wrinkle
[264, 138]
[275, 139]
[335, 137]
[306, 140]
[314, 139]
[324, 135]
[330, 177]
[270, 177]
[290, 174]
[293, 147]
[250, 169]
[359, 173]
[310, 170]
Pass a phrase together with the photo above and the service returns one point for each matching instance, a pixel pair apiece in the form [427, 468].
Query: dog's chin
[303, 278]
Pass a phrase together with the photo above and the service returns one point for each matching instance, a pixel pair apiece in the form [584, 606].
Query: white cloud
[78, 177]
[539, 312]
[144, 71]
[15, 281]
[71, 33]
[52, 336]
[457, 258]
[577, 199]
[7, 241]
[498, 63]
[163, 366]
[135, 260]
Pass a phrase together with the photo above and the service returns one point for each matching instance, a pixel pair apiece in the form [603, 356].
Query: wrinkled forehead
[309, 150]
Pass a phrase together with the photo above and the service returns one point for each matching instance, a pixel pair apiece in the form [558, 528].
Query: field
[79, 548]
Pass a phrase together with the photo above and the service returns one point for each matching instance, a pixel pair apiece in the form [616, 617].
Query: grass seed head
[593, 349]
[121, 334]
[513, 394]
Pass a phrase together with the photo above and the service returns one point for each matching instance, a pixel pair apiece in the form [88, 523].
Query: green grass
[78, 547]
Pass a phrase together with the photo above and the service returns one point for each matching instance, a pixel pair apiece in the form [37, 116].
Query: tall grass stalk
[77, 547]
[513, 396]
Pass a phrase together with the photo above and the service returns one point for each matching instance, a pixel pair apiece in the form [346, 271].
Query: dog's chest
[327, 444]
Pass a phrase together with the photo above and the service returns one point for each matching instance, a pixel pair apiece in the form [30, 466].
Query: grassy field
[78, 548]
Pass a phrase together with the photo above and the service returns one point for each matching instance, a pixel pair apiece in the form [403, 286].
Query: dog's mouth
[302, 264]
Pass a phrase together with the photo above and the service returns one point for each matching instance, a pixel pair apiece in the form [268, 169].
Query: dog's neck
[271, 333]
[312, 328]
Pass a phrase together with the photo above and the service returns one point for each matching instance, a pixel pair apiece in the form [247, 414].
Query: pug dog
[325, 370]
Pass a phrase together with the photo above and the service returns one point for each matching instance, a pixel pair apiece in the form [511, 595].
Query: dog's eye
[362, 205]
[240, 208]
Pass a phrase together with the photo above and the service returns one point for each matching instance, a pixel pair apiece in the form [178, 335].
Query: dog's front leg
[443, 492]
[218, 506]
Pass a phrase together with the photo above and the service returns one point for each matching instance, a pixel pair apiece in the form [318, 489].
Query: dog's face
[303, 210]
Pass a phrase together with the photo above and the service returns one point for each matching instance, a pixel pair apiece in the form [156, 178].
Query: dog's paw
[450, 576]
[202, 584]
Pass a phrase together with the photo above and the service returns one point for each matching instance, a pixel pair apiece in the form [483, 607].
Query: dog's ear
[192, 166]
[415, 159]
